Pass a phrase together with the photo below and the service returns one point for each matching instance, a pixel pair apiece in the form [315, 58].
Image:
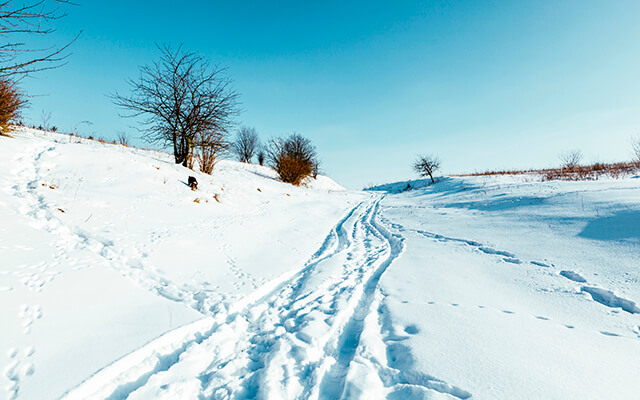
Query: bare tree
[635, 151]
[20, 20]
[182, 99]
[246, 144]
[426, 165]
[293, 158]
[12, 102]
[570, 159]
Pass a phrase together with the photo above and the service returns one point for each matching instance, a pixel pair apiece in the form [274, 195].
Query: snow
[516, 288]
[118, 282]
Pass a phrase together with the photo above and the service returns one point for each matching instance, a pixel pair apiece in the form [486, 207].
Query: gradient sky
[483, 85]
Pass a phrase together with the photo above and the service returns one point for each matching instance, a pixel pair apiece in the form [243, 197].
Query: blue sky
[483, 85]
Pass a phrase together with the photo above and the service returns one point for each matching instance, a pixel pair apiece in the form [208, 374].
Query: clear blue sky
[484, 85]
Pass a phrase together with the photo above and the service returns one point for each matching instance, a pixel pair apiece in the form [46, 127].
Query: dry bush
[211, 146]
[581, 172]
[123, 139]
[293, 158]
[11, 104]
[293, 170]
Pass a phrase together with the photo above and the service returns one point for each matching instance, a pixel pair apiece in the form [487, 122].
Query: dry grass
[576, 173]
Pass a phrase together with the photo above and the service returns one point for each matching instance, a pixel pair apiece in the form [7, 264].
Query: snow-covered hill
[104, 248]
[117, 281]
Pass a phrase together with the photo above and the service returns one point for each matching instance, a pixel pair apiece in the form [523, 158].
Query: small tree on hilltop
[246, 144]
[570, 159]
[11, 103]
[635, 151]
[293, 158]
[426, 165]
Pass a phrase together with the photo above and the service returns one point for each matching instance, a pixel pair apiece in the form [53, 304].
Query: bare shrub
[293, 158]
[123, 139]
[11, 104]
[427, 165]
[246, 144]
[211, 146]
[570, 159]
[581, 172]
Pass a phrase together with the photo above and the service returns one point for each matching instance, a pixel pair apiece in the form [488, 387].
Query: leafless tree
[182, 99]
[246, 144]
[293, 158]
[570, 158]
[12, 101]
[426, 165]
[635, 150]
[20, 20]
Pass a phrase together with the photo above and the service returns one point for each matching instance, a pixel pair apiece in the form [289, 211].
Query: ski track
[301, 336]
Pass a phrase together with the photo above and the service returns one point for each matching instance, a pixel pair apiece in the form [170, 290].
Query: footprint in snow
[574, 276]
[540, 264]
[18, 369]
[411, 329]
[29, 314]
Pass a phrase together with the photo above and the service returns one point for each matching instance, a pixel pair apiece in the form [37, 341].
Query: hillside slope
[104, 248]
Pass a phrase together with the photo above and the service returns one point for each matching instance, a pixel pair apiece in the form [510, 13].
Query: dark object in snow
[193, 183]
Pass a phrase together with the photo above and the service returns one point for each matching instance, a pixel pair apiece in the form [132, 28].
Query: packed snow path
[315, 335]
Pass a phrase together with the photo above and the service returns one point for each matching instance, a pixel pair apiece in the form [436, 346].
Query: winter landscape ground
[118, 282]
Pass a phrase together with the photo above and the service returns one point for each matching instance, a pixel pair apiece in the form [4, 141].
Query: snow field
[118, 282]
[514, 300]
